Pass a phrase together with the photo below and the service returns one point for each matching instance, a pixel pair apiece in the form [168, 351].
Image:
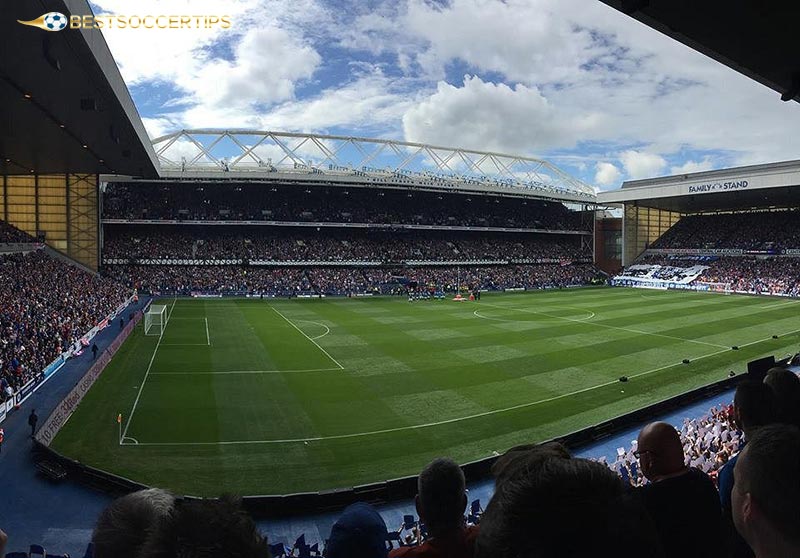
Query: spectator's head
[360, 532]
[441, 496]
[785, 386]
[660, 451]
[124, 525]
[753, 406]
[767, 491]
[557, 507]
[204, 528]
[525, 456]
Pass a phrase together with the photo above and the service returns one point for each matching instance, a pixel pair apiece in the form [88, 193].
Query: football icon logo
[51, 21]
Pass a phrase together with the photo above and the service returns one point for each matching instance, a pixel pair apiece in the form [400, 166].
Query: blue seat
[16, 555]
[36, 550]
[409, 522]
[277, 550]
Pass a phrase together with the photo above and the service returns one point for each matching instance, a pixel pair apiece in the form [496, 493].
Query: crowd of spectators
[773, 276]
[11, 234]
[331, 245]
[294, 281]
[223, 280]
[763, 231]
[46, 305]
[256, 202]
[768, 275]
[708, 443]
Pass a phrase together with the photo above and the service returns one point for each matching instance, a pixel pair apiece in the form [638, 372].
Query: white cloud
[577, 79]
[253, 77]
[370, 100]
[220, 75]
[693, 166]
[640, 164]
[607, 174]
[487, 116]
[488, 34]
[157, 127]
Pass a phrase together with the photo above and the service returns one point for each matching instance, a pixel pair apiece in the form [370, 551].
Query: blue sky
[571, 81]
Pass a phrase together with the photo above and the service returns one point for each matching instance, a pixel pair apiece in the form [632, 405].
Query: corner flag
[119, 418]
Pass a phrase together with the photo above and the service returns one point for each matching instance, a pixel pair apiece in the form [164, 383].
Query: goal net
[155, 319]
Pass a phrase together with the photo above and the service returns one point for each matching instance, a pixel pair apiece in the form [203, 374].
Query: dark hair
[525, 456]
[754, 405]
[125, 524]
[769, 470]
[206, 529]
[555, 507]
[785, 387]
[442, 495]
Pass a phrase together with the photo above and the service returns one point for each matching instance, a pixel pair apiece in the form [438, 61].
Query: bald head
[660, 450]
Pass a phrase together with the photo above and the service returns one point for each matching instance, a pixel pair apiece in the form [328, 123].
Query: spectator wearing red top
[441, 501]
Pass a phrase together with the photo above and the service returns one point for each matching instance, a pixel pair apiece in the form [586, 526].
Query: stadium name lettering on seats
[717, 186]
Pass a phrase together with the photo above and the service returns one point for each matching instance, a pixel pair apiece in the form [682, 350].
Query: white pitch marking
[479, 315]
[307, 337]
[224, 372]
[610, 326]
[786, 303]
[453, 420]
[327, 329]
[147, 373]
[134, 440]
[208, 338]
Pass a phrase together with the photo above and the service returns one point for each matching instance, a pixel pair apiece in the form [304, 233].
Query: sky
[574, 82]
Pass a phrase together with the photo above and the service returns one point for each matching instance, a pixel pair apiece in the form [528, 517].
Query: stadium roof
[757, 39]
[775, 185]
[61, 91]
[266, 156]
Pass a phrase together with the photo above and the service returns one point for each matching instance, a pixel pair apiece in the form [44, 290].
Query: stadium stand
[144, 246]
[748, 253]
[764, 230]
[154, 243]
[742, 274]
[255, 202]
[185, 280]
[46, 305]
[10, 234]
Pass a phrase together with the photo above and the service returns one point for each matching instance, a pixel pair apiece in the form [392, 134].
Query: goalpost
[155, 319]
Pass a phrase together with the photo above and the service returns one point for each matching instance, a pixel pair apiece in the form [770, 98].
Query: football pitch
[279, 396]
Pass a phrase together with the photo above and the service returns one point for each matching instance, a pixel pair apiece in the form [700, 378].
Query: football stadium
[317, 341]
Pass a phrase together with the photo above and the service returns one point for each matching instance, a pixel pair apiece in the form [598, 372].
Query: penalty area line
[291, 323]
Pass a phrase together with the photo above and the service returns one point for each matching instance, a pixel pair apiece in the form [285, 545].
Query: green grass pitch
[280, 396]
